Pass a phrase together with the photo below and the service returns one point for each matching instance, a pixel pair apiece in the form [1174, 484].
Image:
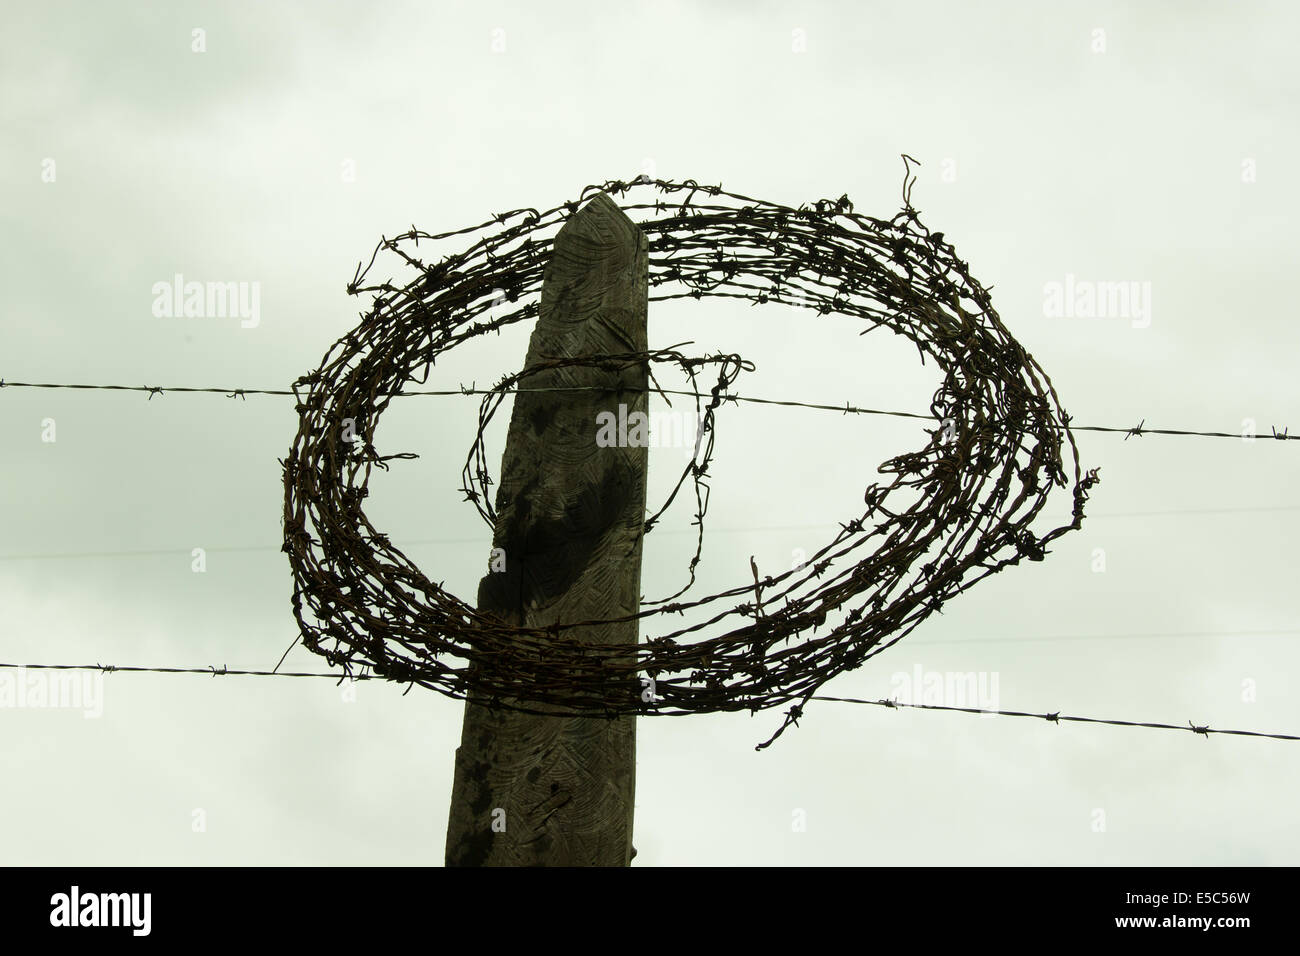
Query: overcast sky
[1153, 144]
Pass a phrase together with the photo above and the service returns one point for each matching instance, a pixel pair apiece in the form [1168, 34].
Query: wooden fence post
[558, 791]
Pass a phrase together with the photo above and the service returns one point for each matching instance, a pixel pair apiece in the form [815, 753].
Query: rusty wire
[847, 408]
[1054, 717]
[979, 481]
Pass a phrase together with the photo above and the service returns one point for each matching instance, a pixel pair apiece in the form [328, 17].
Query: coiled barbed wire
[979, 482]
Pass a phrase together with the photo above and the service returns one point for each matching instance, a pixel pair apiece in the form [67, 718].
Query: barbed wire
[211, 671]
[980, 481]
[224, 671]
[1057, 717]
[153, 389]
[844, 408]
[998, 409]
[479, 539]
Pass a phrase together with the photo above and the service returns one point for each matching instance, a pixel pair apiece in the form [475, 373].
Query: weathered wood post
[558, 791]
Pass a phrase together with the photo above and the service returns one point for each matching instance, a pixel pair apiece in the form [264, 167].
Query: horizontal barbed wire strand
[847, 408]
[479, 539]
[1057, 717]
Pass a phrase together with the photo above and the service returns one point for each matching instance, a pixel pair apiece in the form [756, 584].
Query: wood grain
[570, 520]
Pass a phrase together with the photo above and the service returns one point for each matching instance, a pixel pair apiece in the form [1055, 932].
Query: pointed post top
[601, 205]
[604, 227]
